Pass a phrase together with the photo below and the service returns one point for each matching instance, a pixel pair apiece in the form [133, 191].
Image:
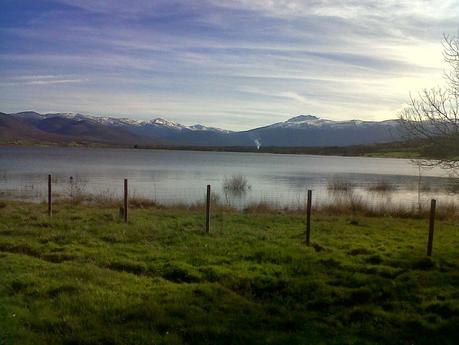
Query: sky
[233, 64]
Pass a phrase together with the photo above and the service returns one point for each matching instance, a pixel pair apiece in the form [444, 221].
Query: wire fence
[308, 210]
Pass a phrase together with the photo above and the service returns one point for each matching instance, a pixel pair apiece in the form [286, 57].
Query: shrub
[236, 183]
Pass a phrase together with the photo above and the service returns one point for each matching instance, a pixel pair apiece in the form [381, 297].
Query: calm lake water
[182, 176]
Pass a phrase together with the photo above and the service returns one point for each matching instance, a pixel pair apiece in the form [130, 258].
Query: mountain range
[304, 130]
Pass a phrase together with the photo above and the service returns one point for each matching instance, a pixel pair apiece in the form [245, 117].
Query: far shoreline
[382, 150]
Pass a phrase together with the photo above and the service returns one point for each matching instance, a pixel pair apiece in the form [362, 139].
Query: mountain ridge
[107, 120]
[297, 131]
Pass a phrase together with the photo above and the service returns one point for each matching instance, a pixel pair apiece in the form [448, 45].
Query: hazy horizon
[229, 64]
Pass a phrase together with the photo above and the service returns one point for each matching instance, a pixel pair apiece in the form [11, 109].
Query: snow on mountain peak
[302, 121]
[116, 121]
[163, 122]
[306, 121]
[299, 122]
[302, 118]
[199, 127]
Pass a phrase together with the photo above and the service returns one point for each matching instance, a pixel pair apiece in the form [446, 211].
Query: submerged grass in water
[84, 277]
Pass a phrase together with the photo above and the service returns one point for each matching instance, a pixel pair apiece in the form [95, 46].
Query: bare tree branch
[433, 115]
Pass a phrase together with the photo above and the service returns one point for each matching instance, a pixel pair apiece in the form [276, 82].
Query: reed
[340, 204]
[338, 185]
[382, 187]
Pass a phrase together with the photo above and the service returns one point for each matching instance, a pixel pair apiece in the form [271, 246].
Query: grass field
[84, 277]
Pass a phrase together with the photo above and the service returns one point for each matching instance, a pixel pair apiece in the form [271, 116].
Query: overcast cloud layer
[233, 64]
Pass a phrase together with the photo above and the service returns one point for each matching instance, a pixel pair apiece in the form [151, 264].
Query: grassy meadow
[85, 277]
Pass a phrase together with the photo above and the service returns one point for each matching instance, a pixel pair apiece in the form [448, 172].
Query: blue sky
[233, 64]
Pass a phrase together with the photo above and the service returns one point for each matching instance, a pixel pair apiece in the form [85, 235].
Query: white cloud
[41, 80]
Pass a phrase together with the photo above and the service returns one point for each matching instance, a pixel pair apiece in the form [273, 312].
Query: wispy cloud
[40, 80]
[55, 81]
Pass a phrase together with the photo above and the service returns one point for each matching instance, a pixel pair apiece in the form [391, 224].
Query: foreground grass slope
[84, 277]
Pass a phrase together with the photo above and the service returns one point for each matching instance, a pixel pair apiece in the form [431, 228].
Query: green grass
[84, 277]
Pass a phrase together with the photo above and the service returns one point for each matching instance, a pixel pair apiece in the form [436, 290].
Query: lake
[181, 176]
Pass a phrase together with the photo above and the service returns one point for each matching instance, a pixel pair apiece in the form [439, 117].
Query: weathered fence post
[208, 209]
[50, 199]
[125, 200]
[308, 218]
[433, 204]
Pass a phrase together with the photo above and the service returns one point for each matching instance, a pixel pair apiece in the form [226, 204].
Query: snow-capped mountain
[305, 121]
[310, 130]
[114, 121]
[302, 121]
[210, 129]
[302, 130]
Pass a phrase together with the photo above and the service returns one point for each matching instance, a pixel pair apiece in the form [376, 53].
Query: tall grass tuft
[340, 186]
[382, 187]
[75, 189]
[453, 185]
[236, 184]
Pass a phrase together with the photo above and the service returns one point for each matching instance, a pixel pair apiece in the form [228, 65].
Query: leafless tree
[432, 117]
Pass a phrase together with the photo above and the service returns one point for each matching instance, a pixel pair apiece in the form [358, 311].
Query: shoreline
[339, 151]
[340, 208]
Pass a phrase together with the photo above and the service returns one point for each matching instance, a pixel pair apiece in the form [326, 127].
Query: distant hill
[311, 131]
[31, 127]
[299, 131]
[14, 130]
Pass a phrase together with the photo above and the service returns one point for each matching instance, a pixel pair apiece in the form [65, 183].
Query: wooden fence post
[125, 200]
[50, 198]
[308, 218]
[208, 209]
[433, 204]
